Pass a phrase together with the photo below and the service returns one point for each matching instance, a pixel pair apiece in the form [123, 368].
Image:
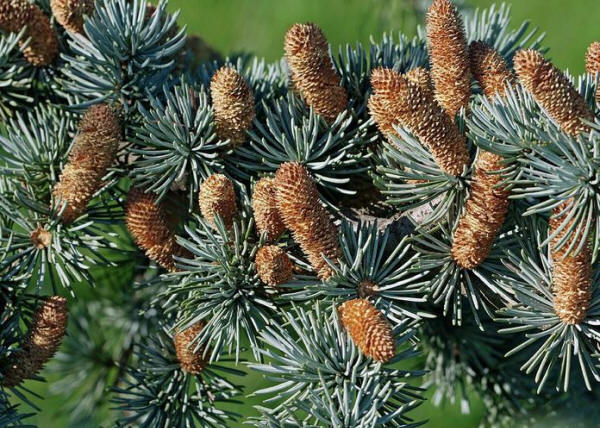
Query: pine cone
[149, 226]
[233, 103]
[273, 265]
[368, 329]
[490, 69]
[264, 205]
[553, 91]
[300, 207]
[448, 57]
[484, 214]
[42, 47]
[44, 337]
[414, 108]
[92, 154]
[217, 196]
[592, 63]
[571, 274]
[70, 13]
[312, 72]
[190, 361]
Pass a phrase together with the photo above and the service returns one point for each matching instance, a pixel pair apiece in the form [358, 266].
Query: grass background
[258, 26]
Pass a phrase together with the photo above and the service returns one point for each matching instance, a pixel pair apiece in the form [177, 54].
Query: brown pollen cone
[264, 206]
[233, 104]
[484, 213]
[571, 275]
[70, 13]
[489, 69]
[368, 329]
[448, 57]
[300, 207]
[217, 196]
[92, 154]
[312, 72]
[190, 361]
[42, 47]
[149, 226]
[414, 107]
[553, 91]
[592, 63]
[45, 335]
[273, 265]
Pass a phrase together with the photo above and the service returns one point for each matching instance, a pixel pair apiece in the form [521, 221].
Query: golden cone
[484, 214]
[592, 63]
[553, 91]
[368, 329]
[571, 274]
[217, 196]
[92, 154]
[413, 107]
[448, 57]
[70, 13]
[312, 72]
[302, 213]
[489, 69]
[273, 265]
[45, 335]
[149, 226]
[42, 46]
[190, 361]
[233, 104]
[264, 205]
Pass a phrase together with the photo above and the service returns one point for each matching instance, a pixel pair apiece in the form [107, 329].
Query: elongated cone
[368, 329]
[92, 154]
[571, 274]
[384, 116]
[553, 91]
[45, 335]
[39, 43]
[592, 63]
[233, 103]
[217, 196]
[300, 207]
[412, 106]
[484, 214]
[489, 69]
[273, 265]
[264, 205]
[70, 13]
[149, 226]
[448, 57]
[190, 361]
[312, 72]
[488, 204]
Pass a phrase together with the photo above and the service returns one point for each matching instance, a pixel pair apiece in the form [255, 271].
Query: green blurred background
[258, 26]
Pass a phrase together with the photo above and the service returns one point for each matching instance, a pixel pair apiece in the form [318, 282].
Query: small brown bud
[448, 57]
[412, 106]
[368, 329]
[233, 103]
[490, 69]
[70, 13]
[41, 238]
[301, 210]
[190, 361]
[571, 274]
[92, 154]
[553, 91]
[273, 265]
[43, 340]
[312, 72]
[217, 196]
[264, 205]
